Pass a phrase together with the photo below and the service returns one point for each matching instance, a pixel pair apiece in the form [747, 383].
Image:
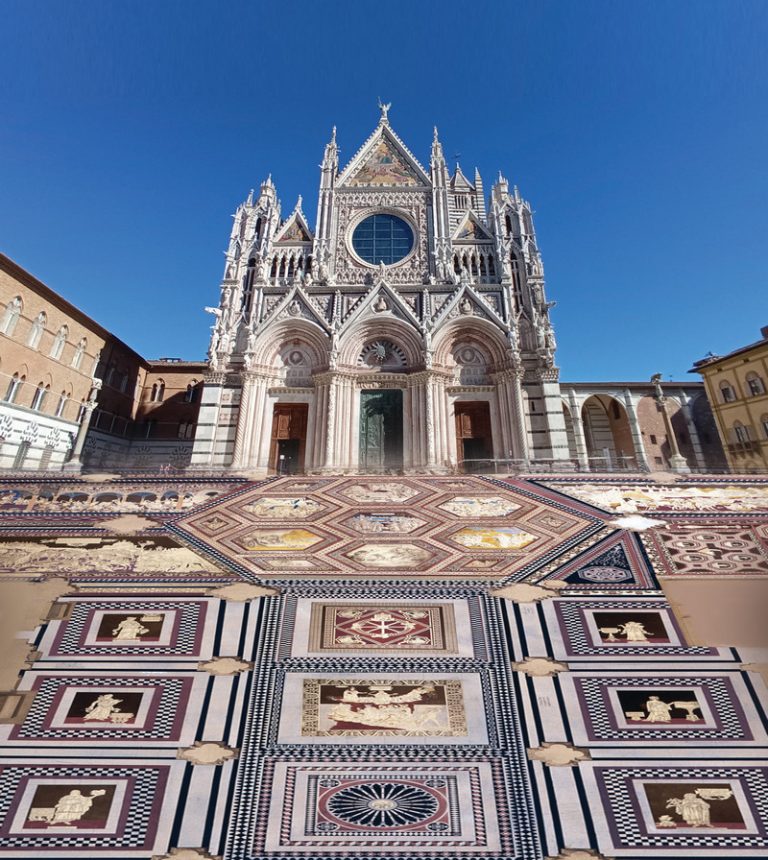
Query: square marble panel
[671, 709]
[382, 708]
[391, 628]
[679, 808]
[385, 809]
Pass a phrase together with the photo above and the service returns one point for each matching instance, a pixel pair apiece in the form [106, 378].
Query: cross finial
[384, 108]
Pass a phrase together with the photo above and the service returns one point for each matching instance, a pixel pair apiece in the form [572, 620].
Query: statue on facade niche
[380, 304]
[465, 306]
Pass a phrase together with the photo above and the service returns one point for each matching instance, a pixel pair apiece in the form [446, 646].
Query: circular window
[382, 238]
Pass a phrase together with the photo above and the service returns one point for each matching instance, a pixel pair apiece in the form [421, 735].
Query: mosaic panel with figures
[704, 496]
[681, 807]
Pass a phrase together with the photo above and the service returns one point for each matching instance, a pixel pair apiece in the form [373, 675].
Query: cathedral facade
[409, 330]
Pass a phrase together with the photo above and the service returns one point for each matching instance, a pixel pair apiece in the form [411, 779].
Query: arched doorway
[381, 429]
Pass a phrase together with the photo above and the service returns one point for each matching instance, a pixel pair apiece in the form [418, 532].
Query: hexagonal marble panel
[282, 507]
[493, 537]
[479, 506]
[378, 493]
[277, 540]
[375, 522]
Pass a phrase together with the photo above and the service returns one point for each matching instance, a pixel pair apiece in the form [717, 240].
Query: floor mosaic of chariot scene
[366, 668]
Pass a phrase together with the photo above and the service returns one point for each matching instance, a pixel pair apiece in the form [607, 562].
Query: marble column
[75, 463]
[698, 453]
[634, 428]
[677, 462]
[579, 438]
[520, 432]
[244, 422]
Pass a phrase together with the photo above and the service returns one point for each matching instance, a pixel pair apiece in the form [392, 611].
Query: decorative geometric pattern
[719, 549]
[422, 809]
[380, 701]
[614, 563]
[403, 526]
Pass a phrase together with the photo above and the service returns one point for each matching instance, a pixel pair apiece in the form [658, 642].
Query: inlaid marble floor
[360, 668]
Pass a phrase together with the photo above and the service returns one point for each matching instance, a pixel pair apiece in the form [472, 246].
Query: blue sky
[130, 132]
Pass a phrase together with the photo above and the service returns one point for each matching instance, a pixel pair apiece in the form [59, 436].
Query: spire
[298, 204]
[267, 188]
[249, 200]
[437, 151]
[331, 155]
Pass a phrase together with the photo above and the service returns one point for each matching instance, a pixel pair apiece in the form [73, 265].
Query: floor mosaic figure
[412, 667]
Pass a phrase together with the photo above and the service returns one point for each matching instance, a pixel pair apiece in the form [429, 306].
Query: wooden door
[289, 436]
[474, 444]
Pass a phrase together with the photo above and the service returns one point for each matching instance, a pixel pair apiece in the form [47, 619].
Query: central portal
[381, 430]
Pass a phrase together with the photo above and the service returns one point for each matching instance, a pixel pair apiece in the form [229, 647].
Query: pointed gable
[294, 230]
[471, 230]
[384, 167]
[383, 162]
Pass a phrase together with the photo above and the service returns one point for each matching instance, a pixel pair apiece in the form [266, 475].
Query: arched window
[62, 404]
[191, 394]
[14, 385]
[77, 358]
[727, 392]
[755, 384]
[764, 422]
[38, 398]
[11, 316]
[158, 391]
[36, 332]
[508, 224]
[741, 432]
[59, 341]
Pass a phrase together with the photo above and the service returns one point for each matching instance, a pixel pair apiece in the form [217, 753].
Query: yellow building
[736, 387]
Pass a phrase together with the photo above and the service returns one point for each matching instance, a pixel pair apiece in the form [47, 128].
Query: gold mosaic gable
[384, 167]
[295, 233]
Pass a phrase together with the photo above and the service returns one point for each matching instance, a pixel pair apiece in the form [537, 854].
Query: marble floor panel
[365, 668]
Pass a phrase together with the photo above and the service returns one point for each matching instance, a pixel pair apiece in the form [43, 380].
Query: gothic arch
[308, 335]
[401, 334]
[480, 333]
[607, 432]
